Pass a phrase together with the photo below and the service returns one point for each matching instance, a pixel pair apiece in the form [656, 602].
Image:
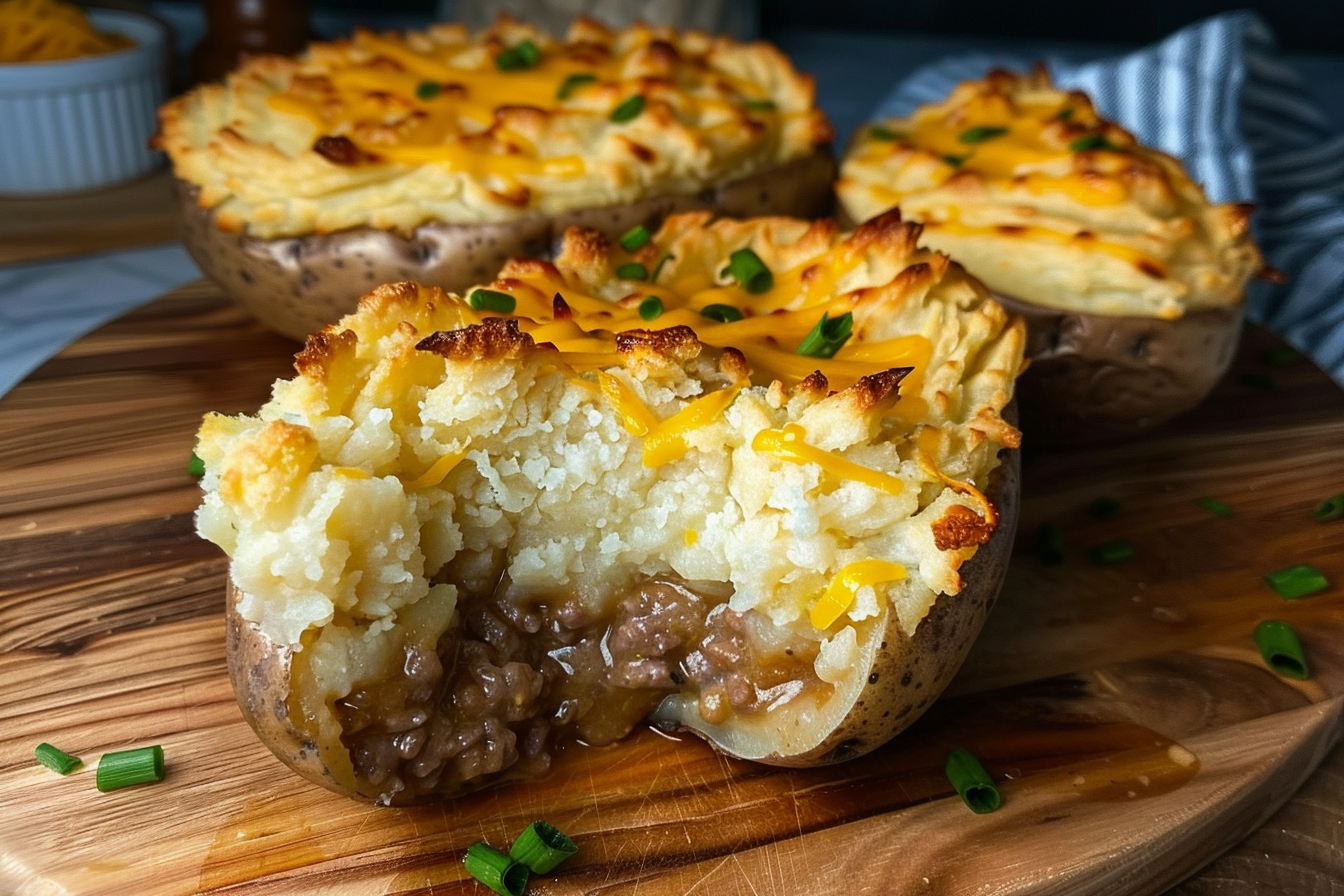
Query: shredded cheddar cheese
[790, 444]
[49, 31]
[839, 595]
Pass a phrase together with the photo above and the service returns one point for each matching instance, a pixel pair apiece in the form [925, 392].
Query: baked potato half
[1131, 281]
[437, 156]
[752, 479]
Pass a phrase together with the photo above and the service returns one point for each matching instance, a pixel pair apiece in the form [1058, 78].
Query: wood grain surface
[1135, 732]
[127, 216]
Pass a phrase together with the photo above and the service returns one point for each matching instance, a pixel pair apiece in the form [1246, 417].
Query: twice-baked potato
[1130, 279]
[750, 479]
[437, 156]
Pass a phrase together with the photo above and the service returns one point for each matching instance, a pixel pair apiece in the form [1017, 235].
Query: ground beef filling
[495, 697]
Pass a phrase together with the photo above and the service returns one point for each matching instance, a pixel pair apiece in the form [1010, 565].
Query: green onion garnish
[492, 300]
[657, 269]
[1281, 355]
[746, 267]
[129, 767]
[1257, 381]
[1281, 649]
[635, 238]
[496, 870]
[651, 308]
[1111, 553]
[1104, 508]
[724, 314]
[541, 847]
[58, 761]
[826, 338]
[519, 56]
[955, 161]
[628, 109]
[1091, 141]
[1296, 581]
[1050, 544]
[427, 90]
[632, 270]
[878, 132]
[195, 466]
[980, 135]
[972, 782]
[760, 105]
[1215, 507]
[1332, 508]
[1065, 114]
[573, 83]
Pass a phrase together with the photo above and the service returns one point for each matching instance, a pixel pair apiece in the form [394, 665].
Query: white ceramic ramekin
[79, 124]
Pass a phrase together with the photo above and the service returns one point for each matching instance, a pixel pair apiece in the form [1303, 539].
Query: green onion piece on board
[492, 300]
[760, 105]
[878, 132]
[1296, 581]
[1104, 508]
[826, 338]
[724, 314]
[658, 268]
[1281, 649]
[651, 308]
[1281, 356]
[195, 466]
[746, 267]
[632, 271]
[1091, 141]
[628, 109]
[1050, 544]
[1215, 507]
[519, 56]
[57, 760]
[980, 135]
[129, 767]
[1332, 508]
[955, 161]
[541, 847]
[496, 870]
[1111, 553]
[427, 90]
[972, 782]
[635, 238]
[573, 83]
[1257, 381]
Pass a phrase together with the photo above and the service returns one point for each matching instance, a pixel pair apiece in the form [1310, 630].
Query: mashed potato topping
[393, 131]
[1047, 202]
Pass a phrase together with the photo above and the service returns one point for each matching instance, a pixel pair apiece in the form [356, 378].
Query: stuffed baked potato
[752, 479]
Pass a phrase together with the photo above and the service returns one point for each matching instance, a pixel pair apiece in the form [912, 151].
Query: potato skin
[297, 285]
[1096, 378]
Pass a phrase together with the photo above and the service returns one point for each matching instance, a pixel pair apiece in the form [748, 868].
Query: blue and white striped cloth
[1216, 96]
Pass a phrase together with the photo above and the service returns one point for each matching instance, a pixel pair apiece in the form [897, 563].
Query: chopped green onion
[955, 161]
[724, 314]
[541, 847]
[427, 90]
[1332, 508]
[635, 238]
[1281, 649]
[195, 466]
[746, 267]
[519, 56]
[826, 338]
[980, 135]
[972, 782]
[628, 109]
[1296, 581]
[492, 300]
[760, 105]
[1215, 507]
[1104, 508]
[1091, 141]
[878, 132]
[651, 308]
[1257, 381]
[632, 271]
[573, 83]
[1111, 553]
[129, 767]
[1050, 544]
[496, 870]
[657, 269]
[1065, 114]
[58, 761]
[1281, 355]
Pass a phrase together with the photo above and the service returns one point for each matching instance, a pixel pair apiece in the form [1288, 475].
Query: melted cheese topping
[392, 131]
[839, 595]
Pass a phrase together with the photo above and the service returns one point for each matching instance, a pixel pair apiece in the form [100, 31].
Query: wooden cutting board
[1133, 728]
